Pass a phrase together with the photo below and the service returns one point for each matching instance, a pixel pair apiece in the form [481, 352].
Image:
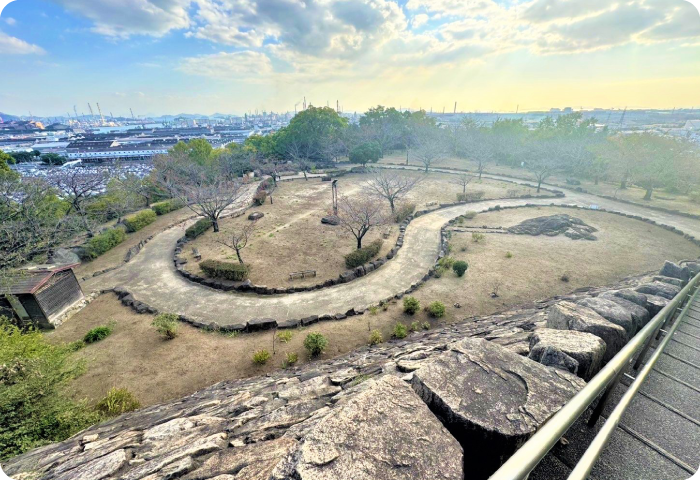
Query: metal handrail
[523, 461]
[585, 464]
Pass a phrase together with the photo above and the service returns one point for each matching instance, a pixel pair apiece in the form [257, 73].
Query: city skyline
[209, 56]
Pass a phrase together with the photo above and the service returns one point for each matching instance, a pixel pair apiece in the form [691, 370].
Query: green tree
[365, 153]
[53, 159]
[5, 162]
[311, 129]
[197, 150]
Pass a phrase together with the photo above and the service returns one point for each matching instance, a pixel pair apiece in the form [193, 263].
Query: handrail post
[598, 411]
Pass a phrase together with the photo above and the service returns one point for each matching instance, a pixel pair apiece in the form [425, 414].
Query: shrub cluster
[167, 206]
[284, 336]
[470, 196]
[469, 215]
[104, 242]
[226, 270]
[410, 305]
[459, 267]
[261, 357]
[199, 227]
[436, 309]
[315, 343]
[375, 337]
[33, 375]
[98, 333]
[166, 324]
[403, 211]
[363, 255]
[117, 401]
[137, 221]
[400, 330]
[477, 237]
[290, 359]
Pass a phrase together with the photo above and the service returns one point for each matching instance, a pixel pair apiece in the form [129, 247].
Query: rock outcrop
[458, 384]
[586, 349]
[612, 312]
[569, 316]
[554, 225]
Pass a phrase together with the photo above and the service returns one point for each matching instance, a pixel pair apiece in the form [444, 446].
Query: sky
[236, 56]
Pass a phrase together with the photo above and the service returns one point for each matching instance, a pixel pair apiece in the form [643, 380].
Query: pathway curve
[151, 276]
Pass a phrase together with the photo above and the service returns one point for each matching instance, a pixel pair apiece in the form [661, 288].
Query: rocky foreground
[445, 404]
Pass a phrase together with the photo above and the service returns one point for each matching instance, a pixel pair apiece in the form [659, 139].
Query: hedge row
[137, 221]
[104, 241]
[226, 270]
[362, 255]
[167, 206]
[200, 226]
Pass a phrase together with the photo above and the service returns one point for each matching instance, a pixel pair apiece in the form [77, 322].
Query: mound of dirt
[554, 225]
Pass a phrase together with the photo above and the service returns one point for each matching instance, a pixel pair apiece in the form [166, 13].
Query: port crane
[92, 114]
[102, 118]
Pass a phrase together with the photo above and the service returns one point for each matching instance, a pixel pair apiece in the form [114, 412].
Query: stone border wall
[259, 324]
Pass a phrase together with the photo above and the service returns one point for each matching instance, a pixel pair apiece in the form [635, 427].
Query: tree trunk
[391, 204]
[623, 184]
[406, 155]
[270, 199]
[647, 195]
[305, 177]
[359, 243]
[215, 224]
[539, 184]
[238, 254]
[595, 181]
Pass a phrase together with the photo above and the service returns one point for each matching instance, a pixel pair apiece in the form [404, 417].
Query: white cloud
[10, 21]
[245, 66]
[123, 18]
[14, 46]
[419, 20]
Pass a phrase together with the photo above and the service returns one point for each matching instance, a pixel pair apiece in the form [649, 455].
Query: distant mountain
[6, 117]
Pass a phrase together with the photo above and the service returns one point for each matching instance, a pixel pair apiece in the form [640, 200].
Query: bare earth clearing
[135, 357]
[291, 238]
[671, 201]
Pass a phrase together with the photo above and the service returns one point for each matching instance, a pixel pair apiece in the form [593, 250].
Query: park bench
[197, 255]
[302, 274]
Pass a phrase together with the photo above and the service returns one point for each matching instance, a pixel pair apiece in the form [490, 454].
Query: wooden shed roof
[30, 279]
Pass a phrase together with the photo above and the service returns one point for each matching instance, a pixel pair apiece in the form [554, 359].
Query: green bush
[469, 215]
[459, 267]
[98, 333]
[400, 330]
[167, 206]
[104, 242]
[365, 153]
[375, 337]
[509, 255]
[477, 237]
[410, 305]
[403, 211]
[166, 324]
[33, 376]
[261, 357]
[446, 262]
[363, 255]
[284, 336]
[425, 325]
[137, 221]
[117, 401]
[440, 271]
[198, 228]
[290, 359]
[315, 343]
[226, 270]
[436, 309]
[470, 196]
[414, 327]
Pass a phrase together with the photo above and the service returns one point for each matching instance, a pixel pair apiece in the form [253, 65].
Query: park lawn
[291, 238]
[156, 370]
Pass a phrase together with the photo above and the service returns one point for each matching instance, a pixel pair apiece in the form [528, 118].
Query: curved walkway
[151, 276]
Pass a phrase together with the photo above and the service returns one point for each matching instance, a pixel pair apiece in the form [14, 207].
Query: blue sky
[232, 56]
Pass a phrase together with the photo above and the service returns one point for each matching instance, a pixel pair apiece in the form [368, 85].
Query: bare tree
[359, 216]
[542, 159]
[300, 152]
[477, 146]
[78, 185]
[463, 180]
[202, 188]
[240, 238]
[429, 147]
[390, 185]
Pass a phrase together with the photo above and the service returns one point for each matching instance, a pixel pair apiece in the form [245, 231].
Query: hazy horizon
[168, 57]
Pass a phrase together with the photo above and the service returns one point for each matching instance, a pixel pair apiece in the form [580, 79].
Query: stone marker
[491, 399]
[383, 433]
[569, 316]
[587, 349]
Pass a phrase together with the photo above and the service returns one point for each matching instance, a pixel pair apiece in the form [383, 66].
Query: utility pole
[334, 191]
[455, 110]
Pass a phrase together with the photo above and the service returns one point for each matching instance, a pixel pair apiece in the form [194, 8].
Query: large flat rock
[491, 399]
[660, 289]
[587, 349]
[640, 315]
[612, 312]
[385, 432]
[569, 316]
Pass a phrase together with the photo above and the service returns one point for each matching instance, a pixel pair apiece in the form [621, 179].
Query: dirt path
[152, 278]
